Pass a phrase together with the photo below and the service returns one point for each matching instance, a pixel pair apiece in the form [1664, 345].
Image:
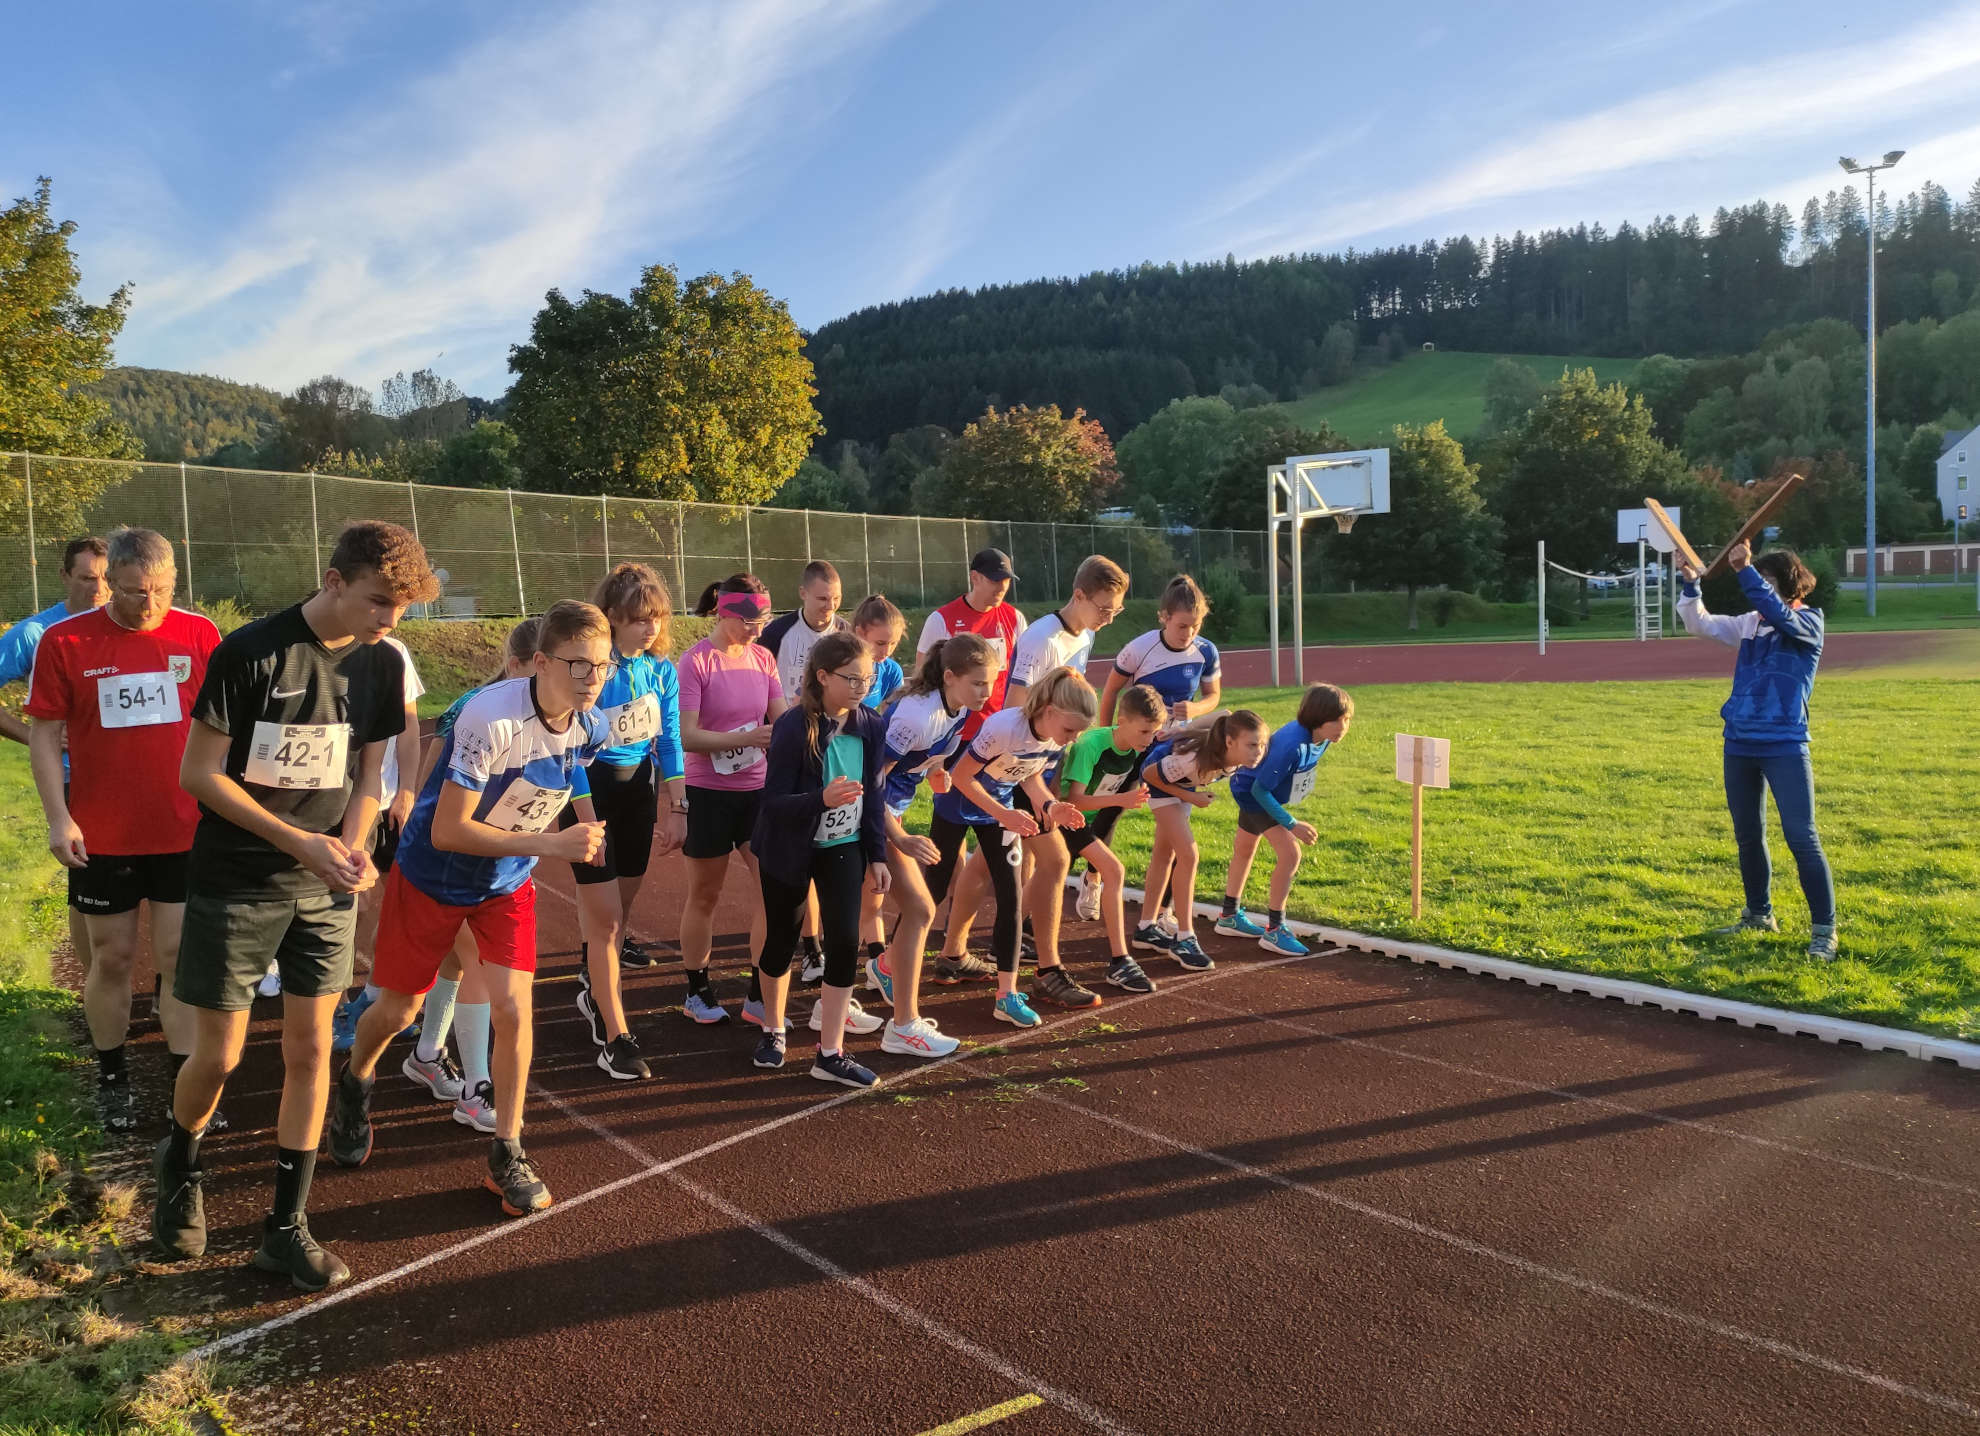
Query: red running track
[1339, 1193]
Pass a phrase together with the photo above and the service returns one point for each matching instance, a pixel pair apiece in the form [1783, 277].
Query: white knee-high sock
[438, 1019]
[471, 1028]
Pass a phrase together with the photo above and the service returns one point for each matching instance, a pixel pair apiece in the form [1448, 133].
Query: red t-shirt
[1000, 626]
[127, 698]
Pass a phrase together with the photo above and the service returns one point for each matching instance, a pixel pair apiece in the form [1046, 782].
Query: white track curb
[1840, 1031]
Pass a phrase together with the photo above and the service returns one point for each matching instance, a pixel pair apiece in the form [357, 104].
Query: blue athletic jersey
[887, 680]
[17, 646]
[640, 708]
[1285, 772]
[499, 747]
[1175, 674]
[921, 732]
[1010, 753]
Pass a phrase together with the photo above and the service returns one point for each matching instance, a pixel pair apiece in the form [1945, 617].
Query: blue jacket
[794, 795]
[1268, 787]
[1779, 649]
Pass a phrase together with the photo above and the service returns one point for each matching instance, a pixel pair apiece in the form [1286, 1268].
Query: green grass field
[1421, 387]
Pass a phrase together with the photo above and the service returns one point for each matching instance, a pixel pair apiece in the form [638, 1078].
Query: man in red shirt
[119, 684]
[982, 611]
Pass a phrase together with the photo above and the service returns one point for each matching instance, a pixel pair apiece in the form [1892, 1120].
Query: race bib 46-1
[137, 700]
[527, 807]
[299, 755]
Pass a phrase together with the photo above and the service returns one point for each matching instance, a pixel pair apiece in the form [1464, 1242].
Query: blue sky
[307, 186]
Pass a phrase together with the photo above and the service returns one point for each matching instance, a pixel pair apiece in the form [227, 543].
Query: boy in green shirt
[1101, 776]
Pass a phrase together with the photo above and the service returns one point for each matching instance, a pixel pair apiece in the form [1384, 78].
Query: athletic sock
[1276, 916]
[471, 1027]
[293, 1169]
[698, 983]
[110, 1064]
[182, 1148]
[756, 984]
[370, 990]
[1230, 905]
[438, 1019]
[875, 949]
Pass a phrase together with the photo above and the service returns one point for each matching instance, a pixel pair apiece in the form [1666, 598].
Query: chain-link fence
[261, 539]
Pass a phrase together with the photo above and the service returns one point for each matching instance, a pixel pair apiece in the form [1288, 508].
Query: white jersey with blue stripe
[1175, 674]
[525, 773]
[1010, 754]
[921, 732]
[1045, 645]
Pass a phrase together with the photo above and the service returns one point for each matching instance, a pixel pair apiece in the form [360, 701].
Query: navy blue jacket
[1779, 649]
[794, 795]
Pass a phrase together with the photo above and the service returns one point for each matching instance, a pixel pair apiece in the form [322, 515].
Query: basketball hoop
[1344, 520]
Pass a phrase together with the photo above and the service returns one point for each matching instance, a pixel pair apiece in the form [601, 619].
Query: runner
[640, 709]
[1265, 796]
[515, 757]
[819, 831]
[1103, 780]
[1173, 659]
[982, 610]
[729, 699]
[85, 586]
[1179, 772]
[925, 728]
[115, 687]
[284, 756]
[879, 625]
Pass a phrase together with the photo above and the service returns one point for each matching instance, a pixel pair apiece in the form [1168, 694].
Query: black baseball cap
[992, 563]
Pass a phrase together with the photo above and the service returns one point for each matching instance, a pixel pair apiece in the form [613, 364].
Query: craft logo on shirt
[181, 667]
[98, 672]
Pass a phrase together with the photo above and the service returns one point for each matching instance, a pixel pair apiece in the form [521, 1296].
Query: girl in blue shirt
[879, 625]
[1176, 660]
[1265, 796]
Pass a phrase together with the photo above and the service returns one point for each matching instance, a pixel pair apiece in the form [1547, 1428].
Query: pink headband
[743, 605]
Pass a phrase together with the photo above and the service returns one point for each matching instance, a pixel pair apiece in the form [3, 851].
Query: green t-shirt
[1095, 761]
[845, 757]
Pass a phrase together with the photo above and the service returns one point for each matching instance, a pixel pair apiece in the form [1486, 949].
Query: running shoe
[588, 1010]
[1189, 952]
[292, 1252]
[634, 953]
[1149, 937]
[1012, 1008]
[477, 1108]
[769, 1053]
[216, 1123]
[811, 967]
[115, 1105]
[512, 1177]
[879, 980]
[343, 1027]
[967, 968]
[858, 1020]
[753, 1013]
[1027, 949]
[837, 1067]
[1749, 921]
[1238, 924]
[440, 1076]
[1126, 974]
[1280, 940]
[620, 1060]
[178, 1215]
[703, 1008]
[1822, 945]
[919, 1038]
[350, 1121]
[1061, 988]
[1087, 904]
[271, 982]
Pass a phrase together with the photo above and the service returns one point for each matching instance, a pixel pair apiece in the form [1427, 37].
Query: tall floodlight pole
[1869, 173]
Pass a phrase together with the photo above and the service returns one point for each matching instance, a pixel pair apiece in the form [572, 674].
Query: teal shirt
[845, 757]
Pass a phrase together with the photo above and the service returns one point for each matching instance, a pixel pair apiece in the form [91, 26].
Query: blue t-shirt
[1010, 753]
[1176, 674]
[1285, 774]
[498, 746]
[921, 732]
[18, 643]
[640, 708]
[887, 679]
[845, 757]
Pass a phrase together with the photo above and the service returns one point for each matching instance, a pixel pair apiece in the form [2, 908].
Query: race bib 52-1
[527, 807]
[299, 755]
[841, 823]
[137, 700]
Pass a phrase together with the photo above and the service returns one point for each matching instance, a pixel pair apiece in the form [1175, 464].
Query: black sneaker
[1126, 973]
[512, 1178]
[837, 1067]
[948, 971]
[292, 1252]
[634, 953]
[589, 1011]
[769, 1051]
[178, 1216]
[1057, 986]
[115, 1105]
[621, 1060]
[216, 1123]
[350, 1123]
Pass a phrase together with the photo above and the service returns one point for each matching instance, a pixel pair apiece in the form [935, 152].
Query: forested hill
[1123, 343]
[188, 416]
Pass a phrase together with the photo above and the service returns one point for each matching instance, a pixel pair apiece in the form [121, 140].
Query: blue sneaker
[1189, 952]
[1279, 940]
[753, 1012]
[343, 1026]
[880, 982]
[769, 1052]
[1012, 1008]
[703, 1008]
[837, 1067]
[1237, 924]
[1150, 938]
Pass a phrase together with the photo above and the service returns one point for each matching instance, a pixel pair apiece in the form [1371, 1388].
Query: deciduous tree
[1037, 465]
[1437, 530]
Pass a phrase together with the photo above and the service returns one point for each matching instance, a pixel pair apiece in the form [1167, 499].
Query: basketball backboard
[1634, 524]
[1340, 487]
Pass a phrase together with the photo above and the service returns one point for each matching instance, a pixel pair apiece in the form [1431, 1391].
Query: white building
[1958, 463]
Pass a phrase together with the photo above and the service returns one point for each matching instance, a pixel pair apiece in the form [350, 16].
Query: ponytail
[956, 654]
[704, 607]
[1211, 743]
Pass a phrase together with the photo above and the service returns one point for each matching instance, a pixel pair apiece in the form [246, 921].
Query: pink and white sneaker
[919, 1038]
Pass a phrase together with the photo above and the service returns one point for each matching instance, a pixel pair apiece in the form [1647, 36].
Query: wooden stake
[1416, 850]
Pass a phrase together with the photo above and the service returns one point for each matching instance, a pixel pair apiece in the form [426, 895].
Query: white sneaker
[858, 1020]
[919, 1038]
[477, 1109]
[1166, 921]
[271, 982]
[1087, 904]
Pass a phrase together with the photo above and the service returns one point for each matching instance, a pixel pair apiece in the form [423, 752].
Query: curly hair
[391, 552]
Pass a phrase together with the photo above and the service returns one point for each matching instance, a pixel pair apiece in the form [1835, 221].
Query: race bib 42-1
[137, 700]
[299, 755]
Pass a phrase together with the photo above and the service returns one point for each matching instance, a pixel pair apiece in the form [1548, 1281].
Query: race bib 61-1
[527, 807]
[299, 755]
[634, 721]
[137, 700]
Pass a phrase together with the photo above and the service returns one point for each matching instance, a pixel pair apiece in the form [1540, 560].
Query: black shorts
[627, 803]
[1255, 821]
[227, 943]
[384, 846]
[1099, 829]
[720, 820]
[114, 883]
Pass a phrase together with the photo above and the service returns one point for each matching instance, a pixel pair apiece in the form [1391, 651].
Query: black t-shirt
[299, 715]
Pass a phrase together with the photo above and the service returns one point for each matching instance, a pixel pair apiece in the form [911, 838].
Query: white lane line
[1568, 1094]
[509, 1227]
[1396, 1220]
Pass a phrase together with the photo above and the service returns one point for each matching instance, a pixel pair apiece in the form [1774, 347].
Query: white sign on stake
[1421, 763]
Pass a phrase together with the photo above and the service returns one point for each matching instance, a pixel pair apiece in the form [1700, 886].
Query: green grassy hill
[1422, 387]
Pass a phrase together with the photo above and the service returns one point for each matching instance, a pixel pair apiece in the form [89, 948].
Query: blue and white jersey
[499, 747]
[921, 732]
[17, 646]
[887, 681]
[640, 708]
[1010, 753]
[1285, 774]
[1181, 770]
[1176, 675]
[1043, 646]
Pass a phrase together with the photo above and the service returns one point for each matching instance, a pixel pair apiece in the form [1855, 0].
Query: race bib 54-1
[137, 700]
[299, 755]
[527, 807]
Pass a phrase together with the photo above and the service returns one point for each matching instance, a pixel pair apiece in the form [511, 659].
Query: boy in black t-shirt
[284, 756]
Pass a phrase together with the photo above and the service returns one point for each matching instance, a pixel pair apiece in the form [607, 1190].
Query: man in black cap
[983, 610]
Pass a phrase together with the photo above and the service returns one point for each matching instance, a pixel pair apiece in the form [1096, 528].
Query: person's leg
[509, 1014]
[753, 888]
[1045, 893]
[471, 1032]
[505, 938]
[1746, 800]
[601, 921]
[1155, 882]
[1003, 859]
[218, 1038]
[1112, 873]
[705, 877]
[966, 895]
[306, 1067]
[1286, 859]
[436, 1017]
[79, 940]
[1172, 829]
[838, 878]
[917, 912]
[1244, 847]
[107, 989]
[168, 920]
[1792, 778]
[782, 905]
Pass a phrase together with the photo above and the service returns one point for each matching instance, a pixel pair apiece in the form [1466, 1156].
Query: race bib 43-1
[137, 700]
[527, 807]
[299, 755]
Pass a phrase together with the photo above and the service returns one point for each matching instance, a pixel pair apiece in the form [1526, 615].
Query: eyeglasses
[857, 685]
[583, 670]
